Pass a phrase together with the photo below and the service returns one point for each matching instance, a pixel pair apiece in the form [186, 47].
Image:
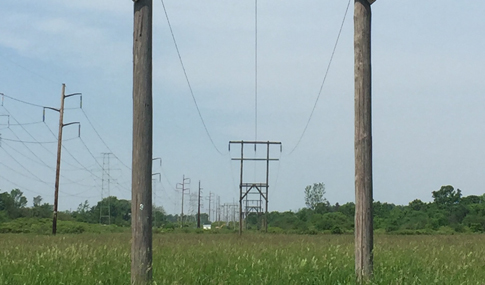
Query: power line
[24, 188]
[27, 157]
[106, 145]
[22, 101]
[168, 180]
[82, 141]
[22, 124]
[24, 68]
[255, 72]
[36, 142]
[30, 172]
[25, 130]
[68, 152]
[324, 78]
[32, 152]
[188, 82]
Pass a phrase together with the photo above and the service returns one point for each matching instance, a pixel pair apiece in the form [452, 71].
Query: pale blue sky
[427, 96]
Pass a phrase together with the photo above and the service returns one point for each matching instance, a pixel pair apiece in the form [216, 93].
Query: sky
[427, 98]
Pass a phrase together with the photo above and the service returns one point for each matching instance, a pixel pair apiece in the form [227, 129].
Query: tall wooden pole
[141, 199]
[198, 208]
[363, 141]
[240, 191]
[58, 165]
[182, 213]
[267, 186]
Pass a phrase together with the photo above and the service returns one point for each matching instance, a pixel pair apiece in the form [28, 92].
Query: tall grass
[253, 259]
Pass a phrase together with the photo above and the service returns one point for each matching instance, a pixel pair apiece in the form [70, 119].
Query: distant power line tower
[210, 200]
[193, 205]
[105, 207]
[182, 188]
[257, 189]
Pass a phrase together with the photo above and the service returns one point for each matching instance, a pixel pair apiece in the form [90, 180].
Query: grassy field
[252, 259]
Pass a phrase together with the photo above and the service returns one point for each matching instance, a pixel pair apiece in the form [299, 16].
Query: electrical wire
[20, 186]
[22, 101]
[82, 141]
[255, 72]
[33, 153]
[105, 144]
[36, 142]
[24, 68]
[68, 152]
[27, 157]
[324, 78]
[22, 124]
[28, 171]
[188, 82]
[82, 165]
[25, 130]
[30, 150]
[168, 180]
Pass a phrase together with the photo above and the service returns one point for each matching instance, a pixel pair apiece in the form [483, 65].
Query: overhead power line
[188, 82]
[36, 142]
[21, 187]
[40, 161]
[21, 101]
[324, 78]
[255, 71]
[22, 124]
[105, 144]
[92, 155]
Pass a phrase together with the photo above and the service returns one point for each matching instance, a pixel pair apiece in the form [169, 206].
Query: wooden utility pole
[210, 199]
[59, 148]
[58, 164]
[198, 208]
[363, 141]
[141, 195]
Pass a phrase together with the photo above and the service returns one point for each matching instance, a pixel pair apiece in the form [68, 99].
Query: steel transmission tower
[105, 207]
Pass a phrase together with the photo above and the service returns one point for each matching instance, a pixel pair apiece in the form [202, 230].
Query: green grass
[253, 259]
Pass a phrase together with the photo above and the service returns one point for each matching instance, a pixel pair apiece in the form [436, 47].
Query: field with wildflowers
[253, 259]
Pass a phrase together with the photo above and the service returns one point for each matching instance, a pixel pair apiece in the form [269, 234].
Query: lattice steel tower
[105, 207]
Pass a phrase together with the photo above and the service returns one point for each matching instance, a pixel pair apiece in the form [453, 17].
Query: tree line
[448, 212]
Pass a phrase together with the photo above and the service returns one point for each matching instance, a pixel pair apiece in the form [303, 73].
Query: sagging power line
[323, 81]
[188, 81]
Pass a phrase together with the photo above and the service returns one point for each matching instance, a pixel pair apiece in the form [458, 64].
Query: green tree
[347, 209]
[37, 201]
[314, 195]
[158, 214]
[446, 197]
[13, 203]
[417, 205]
[84, 213]
[331, 221]
[119, 211]
[19, 200]
[40, 210]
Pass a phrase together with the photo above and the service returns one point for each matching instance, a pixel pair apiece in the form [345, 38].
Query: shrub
[336, 230]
